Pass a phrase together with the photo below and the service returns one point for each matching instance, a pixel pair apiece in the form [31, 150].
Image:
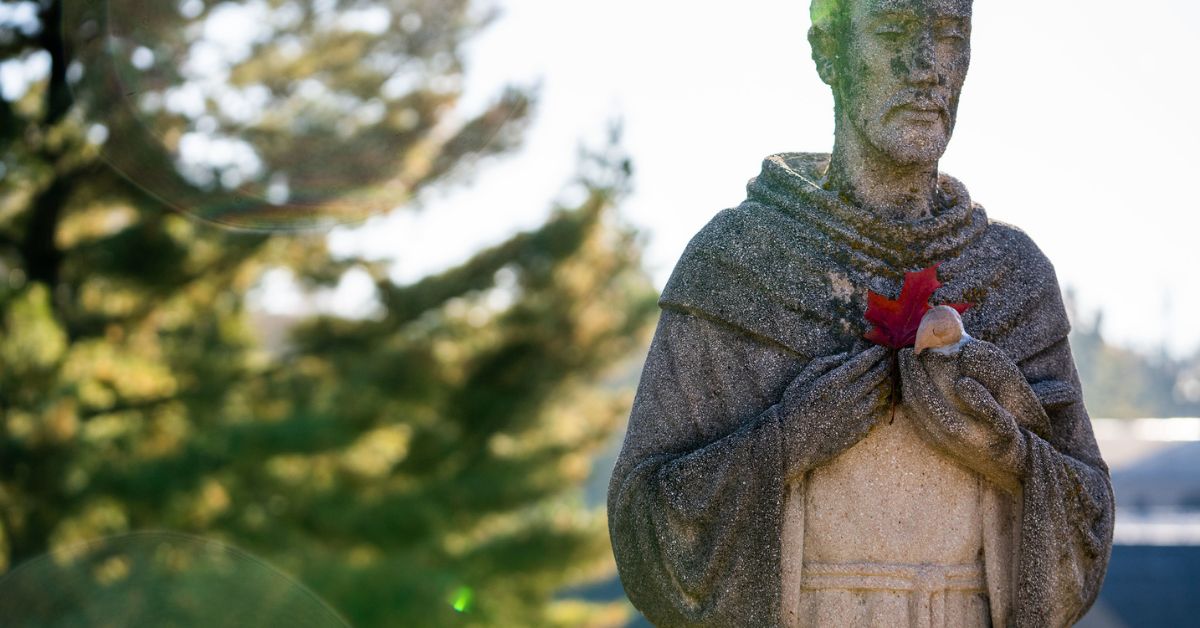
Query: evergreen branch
[555, 240]
[19, 42]
[43, 259]
[58, 94]
[11, 126]
[119, 408]
[10, 242]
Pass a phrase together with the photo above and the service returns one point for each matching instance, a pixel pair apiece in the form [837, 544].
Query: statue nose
[921, 70]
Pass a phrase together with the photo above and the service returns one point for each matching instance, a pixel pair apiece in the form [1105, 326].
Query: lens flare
[156, 579]
[462, 599]
[280, 114]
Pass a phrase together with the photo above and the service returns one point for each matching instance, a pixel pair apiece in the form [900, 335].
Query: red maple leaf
[896, 320]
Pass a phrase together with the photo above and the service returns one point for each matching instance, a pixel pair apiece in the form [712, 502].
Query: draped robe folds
[697, 501]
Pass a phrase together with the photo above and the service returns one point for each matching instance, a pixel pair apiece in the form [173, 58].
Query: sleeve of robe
[1065, 535]
[1067, 510]
[695, 504]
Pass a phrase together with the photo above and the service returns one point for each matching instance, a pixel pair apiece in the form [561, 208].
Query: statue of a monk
[769, 476]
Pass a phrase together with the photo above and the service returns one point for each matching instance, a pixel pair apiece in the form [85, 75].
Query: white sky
[1080, 128]
[1078, 123]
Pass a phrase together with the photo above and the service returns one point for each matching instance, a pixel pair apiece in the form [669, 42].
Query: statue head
[896, 68]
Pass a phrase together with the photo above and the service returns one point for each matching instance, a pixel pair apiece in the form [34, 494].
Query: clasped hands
[972, 405]
[969, 405]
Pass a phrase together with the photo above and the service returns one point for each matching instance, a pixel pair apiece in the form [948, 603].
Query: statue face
[899, 74]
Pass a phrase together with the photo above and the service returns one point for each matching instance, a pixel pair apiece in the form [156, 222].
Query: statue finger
[866, 416]
[876, 402]
[981, 350]
[948, 418]
[868, 357]
[939, 429]
[860, 345]
[926, 401]
[912, 372]
[1023, 402]
[980, 402]
[871, 381]
[915, 382]
[858, 365]
[938, 365]
[989, 365]
[819, 366]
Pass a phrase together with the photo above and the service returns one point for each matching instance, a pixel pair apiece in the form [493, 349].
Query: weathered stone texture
[762, 476]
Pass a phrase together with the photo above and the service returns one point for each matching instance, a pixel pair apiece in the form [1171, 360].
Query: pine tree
[416, 468]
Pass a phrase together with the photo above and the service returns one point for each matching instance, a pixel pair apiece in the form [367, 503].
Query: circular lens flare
[156, 579]
[280, 114]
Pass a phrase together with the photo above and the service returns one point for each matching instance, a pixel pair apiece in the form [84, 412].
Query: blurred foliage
[1123, 383]
[417, 468]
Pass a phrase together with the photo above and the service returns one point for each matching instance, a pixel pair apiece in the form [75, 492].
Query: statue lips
[920, 111]
[919, 106]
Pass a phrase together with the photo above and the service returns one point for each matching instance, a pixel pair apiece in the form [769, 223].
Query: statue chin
[910, 145]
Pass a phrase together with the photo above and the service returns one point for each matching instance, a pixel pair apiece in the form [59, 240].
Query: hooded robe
[701, 511]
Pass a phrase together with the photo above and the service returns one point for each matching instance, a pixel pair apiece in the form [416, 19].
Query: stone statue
[769, 477]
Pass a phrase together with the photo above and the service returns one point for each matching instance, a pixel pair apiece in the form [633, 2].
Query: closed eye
[893, 27]
[951, 30]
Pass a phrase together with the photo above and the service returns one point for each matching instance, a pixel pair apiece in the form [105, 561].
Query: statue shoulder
[732, 242]
[733, 236]
[731, 226]
[1014, 248]
[1018, 301]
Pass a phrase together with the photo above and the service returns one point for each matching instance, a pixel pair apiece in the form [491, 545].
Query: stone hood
[792, 264]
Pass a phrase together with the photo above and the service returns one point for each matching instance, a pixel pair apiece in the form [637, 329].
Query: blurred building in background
[1154, 576]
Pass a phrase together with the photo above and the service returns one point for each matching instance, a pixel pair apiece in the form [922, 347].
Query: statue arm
[1024, 426]
[1067, 514]
[1067, 506]
[1014, 411]
[720, 423]
[695, 502]
[1067, 496]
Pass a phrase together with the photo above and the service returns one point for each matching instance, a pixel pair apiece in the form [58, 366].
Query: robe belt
[926, 585]
[885, 577]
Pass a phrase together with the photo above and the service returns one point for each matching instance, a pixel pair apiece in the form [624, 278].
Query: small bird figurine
[941, 331]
